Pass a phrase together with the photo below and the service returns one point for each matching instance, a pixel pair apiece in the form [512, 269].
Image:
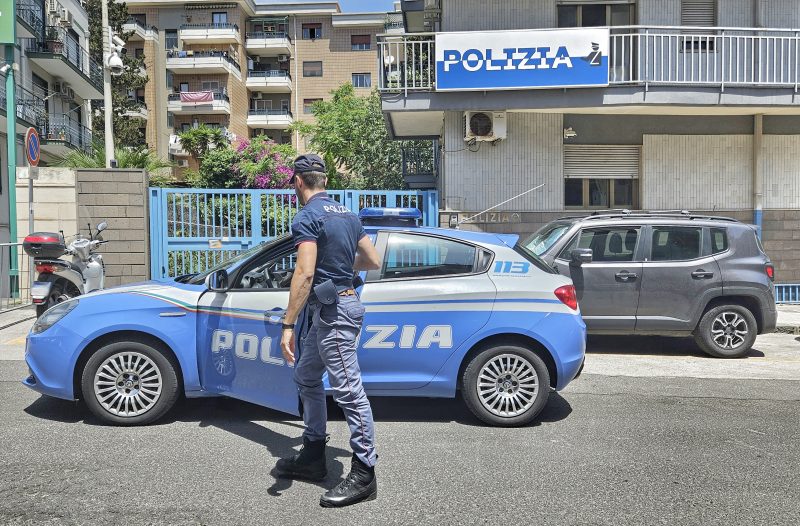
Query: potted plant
[54, 44]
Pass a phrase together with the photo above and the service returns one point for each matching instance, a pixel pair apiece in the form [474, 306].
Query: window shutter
[601, 162]
[359, 39]
[700, 13]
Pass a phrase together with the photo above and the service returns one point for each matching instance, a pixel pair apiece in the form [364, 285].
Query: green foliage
[126, 158]
[201, 140]
[351, 134]
[254, 163]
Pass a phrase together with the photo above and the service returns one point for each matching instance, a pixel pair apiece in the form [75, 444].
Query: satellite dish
[388, 60]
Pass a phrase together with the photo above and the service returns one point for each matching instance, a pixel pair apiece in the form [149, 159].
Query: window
[285, 105]
[184, 87]
[416, 256]
[360, 42]
[219, 19]
[676, 243]
[312, 69]
[171, 39]
[140, 18]
[544, 238]
[601, 176]
[698, 13]
[593, 14]
[210, 85]
[138, 52]
[719, 240]
[312, 31]
[362, 80]
[607, 244]
[308, 105]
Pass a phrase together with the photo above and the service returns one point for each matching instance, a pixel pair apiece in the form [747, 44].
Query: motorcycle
[59, 280]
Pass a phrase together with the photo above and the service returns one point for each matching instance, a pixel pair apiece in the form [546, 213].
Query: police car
[448, 312]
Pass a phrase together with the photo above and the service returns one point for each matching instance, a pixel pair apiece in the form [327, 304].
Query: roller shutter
[601, 162]
[699, 13]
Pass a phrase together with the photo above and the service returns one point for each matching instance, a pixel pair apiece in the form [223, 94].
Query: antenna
[498, 204]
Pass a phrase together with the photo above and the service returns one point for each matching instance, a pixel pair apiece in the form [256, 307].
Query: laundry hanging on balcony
[197, 96]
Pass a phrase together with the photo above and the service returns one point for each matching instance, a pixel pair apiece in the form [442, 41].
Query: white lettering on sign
[247, 347]
[525, 58]
[386, 337]
[338, 209]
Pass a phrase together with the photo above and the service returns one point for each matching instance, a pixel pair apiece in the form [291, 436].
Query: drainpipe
[758, 176]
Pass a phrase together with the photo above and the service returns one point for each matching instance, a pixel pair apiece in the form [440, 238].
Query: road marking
[15, 341]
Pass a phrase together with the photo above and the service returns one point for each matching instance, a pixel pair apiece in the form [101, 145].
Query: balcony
[715, 57]
[268, 43]
[139, 30]
[394, 24]
[199, 103]
[31, 109]
[140, 112]
[269, 118]
[60, 135]
[271, 81]
[199, 62]
[210, 34]
[176, 148]
[420, 166]
[30, 22]
[61, 56]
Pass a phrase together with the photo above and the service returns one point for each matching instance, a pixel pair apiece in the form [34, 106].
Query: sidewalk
[789, 318]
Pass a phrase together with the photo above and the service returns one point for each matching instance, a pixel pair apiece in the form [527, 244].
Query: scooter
[59, 280]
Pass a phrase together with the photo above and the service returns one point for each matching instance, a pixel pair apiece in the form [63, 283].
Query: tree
[351, 135]
[202, 139]
[127, 131]
[126, 158]
[255, 163]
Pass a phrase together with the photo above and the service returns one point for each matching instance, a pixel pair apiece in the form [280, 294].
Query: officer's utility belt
[327, 294]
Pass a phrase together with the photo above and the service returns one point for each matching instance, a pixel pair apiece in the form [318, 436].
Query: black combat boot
[358, 486]
[309, 464]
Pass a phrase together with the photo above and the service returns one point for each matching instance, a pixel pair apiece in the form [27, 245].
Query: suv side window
[608, 244]
[420, 256]
[676, 243]
[719, 240]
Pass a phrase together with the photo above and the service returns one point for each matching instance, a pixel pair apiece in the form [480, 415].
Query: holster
[326, 293]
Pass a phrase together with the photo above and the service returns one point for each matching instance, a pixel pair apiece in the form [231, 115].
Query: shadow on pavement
[653, 346]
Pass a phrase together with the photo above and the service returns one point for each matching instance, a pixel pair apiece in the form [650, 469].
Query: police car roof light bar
[406, 213]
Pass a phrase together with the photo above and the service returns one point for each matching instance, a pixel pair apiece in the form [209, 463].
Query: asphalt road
[621, 445]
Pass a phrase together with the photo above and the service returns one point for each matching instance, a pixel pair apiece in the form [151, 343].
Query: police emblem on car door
[239, 334]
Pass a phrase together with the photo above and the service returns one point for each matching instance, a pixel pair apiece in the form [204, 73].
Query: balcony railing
[653, 55]
[62, 129]
[30, 108]
[57, 42]
[258, 35]
[210, 26]
[217, 96]
[268, 111]
[271, 73]
[29, 12]
[181, 53]
[139, 24]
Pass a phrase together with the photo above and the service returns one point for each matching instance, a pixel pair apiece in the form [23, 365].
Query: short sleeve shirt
[336, 231]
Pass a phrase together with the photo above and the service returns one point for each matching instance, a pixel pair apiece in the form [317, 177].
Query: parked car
[671, 274]
[449, 311]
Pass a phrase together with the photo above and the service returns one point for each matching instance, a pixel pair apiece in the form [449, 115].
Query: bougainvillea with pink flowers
[247, 163]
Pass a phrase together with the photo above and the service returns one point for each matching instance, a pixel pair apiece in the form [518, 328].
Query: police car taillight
[567, 296]
[376, 216]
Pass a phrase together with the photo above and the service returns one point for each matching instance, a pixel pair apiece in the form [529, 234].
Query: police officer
[331, 245]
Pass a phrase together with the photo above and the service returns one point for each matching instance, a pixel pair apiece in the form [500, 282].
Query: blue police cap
[309, 162]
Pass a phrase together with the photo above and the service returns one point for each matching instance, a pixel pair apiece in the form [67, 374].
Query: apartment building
[246, 67]
[652, 104]
[55, 80]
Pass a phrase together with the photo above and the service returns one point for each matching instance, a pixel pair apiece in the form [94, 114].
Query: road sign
[8, 23]
[32, 147]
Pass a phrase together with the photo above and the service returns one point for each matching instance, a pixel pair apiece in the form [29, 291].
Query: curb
[788, 329]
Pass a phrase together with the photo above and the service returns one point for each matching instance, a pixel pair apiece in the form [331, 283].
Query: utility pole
[9, 34]
[107, 102]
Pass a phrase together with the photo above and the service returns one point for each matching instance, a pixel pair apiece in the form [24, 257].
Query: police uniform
[331, 341]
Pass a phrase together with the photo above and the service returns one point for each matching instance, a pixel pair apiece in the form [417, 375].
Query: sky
[350, 6]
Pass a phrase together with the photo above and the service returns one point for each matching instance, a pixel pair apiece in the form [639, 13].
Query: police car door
[429, 296]
[240, 331]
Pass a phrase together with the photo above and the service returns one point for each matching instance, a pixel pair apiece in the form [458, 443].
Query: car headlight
[52, 315]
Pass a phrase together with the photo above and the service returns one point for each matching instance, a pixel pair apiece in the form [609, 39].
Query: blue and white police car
[448, 312]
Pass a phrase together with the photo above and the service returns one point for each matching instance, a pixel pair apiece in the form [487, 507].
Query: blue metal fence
[193, 229]
[787, 293]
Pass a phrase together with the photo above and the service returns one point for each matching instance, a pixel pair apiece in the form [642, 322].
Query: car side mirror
[102, 226]
[579, 256]
[218, 281]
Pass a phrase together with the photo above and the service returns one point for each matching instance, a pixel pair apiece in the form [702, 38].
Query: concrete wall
[475, 15]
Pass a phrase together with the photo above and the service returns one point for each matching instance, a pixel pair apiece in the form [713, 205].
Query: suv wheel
[727, 331]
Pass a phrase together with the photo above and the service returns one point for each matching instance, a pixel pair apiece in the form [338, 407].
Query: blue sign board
[527, 59]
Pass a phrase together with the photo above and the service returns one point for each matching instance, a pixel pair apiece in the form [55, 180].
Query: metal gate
[193, 229]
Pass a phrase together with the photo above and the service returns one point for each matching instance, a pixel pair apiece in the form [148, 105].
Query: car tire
[726, 331]
[506, 385]
[129, 383]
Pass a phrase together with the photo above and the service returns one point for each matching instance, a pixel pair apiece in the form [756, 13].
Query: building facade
[55, 79]
[247, 68]
[699, 111]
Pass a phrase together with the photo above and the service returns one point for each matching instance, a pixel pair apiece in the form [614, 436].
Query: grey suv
[672, 274]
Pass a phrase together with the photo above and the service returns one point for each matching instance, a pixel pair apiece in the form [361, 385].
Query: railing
[57, 42]
[393, 21]
[272, 73]
[31, 13]
[263, 35]
[186, 223]
[269, 111]
[218, 95]
[420, 161]
[788, 293]
[182, 53]
[59, 128]
[138, 23]
[652, 55]
[15, 273]
[210, 26]
[30, 108]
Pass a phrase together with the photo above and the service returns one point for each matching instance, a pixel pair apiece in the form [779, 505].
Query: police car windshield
[544, 238]
[235, 261]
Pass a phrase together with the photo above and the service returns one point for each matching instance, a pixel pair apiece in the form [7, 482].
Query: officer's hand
[287, 345]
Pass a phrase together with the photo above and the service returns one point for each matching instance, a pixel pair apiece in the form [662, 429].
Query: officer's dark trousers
[331, 345]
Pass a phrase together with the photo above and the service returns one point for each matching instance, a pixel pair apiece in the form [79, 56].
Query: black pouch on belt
[326, 293]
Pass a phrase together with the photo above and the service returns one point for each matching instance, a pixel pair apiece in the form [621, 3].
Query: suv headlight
[52, 315]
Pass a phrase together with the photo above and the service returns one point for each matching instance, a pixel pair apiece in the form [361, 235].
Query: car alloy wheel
[128, 384]
[507, 385]
[729, 330]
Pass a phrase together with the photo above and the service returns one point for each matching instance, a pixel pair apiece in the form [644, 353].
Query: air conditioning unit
[63, 88]
[256, 59]
[53, 7]
[63, 15]
[257, 95]
[183, 163]
[66, 19]
[283, 58]
[59, 86]
[70, 93]
[484, 125]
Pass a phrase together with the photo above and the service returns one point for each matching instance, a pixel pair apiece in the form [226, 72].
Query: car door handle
[275, 316]
[702, 274]
[625, 276]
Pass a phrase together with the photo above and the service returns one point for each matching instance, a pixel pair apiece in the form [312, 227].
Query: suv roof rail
[681, 214]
